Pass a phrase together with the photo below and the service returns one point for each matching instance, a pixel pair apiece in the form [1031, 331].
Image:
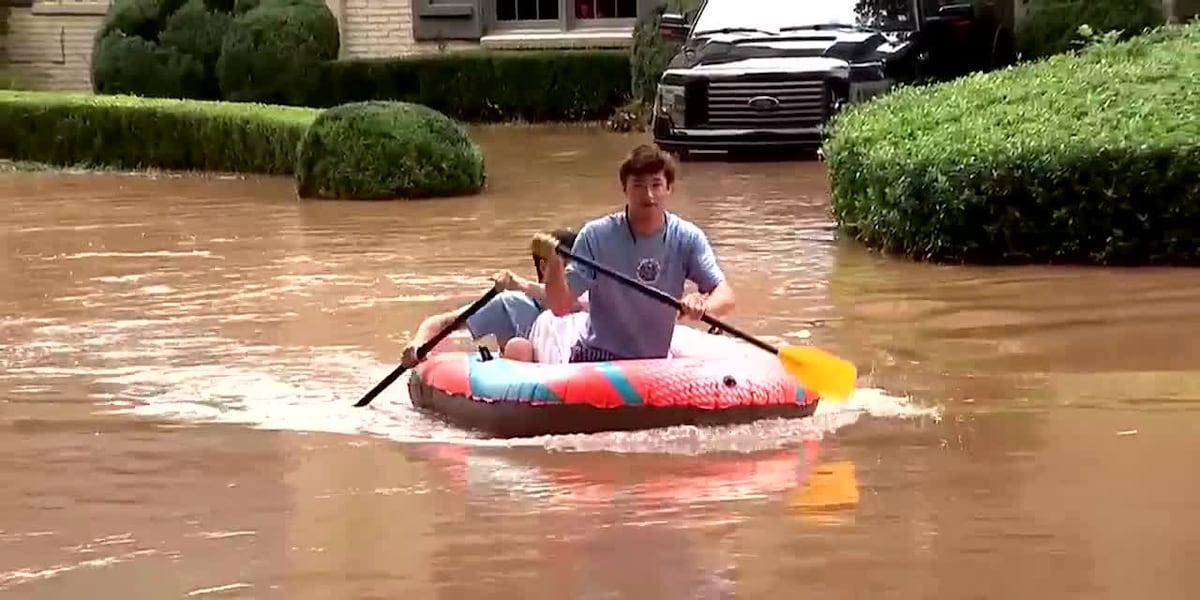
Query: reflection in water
[829, 492]
[630, 529]
[1009, 425]
[570, 481]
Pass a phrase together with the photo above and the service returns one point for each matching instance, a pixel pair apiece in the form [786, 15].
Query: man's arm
[492, 318]
[565, 284]
[704, 271]
[721, 300]
[432, 325]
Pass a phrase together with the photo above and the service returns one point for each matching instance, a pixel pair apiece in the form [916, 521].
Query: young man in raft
[647, 243]
[509, 315]
[552, 337]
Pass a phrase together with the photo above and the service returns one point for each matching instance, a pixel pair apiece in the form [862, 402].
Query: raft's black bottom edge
[516, 419]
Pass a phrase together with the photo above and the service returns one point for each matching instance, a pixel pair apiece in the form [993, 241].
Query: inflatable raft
[506, 398]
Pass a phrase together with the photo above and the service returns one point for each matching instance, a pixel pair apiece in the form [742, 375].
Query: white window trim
[95, 7]
[591, 37]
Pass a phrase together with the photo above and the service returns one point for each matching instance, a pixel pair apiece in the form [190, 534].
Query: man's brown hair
[648, 159]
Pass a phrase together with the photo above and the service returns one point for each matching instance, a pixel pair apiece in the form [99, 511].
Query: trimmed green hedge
[363, 150]
[136, 133]
[487, 86]
[375, 150]
[1091, 158]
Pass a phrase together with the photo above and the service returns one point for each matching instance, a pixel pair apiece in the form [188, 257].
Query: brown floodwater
[179, 357]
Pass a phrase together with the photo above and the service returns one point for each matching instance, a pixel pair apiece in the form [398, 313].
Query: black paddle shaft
[425, 348]
[663, 297]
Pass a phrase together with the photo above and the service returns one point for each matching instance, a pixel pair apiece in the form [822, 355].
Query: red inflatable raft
[505, 398]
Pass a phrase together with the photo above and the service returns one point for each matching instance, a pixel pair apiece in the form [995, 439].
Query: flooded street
[179, 357]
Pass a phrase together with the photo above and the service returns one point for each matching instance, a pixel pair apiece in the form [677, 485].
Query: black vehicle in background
[772, 73]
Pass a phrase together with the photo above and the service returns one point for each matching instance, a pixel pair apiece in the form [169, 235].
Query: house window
[527, 10]
[599, 22]
[605, 9]
[561, 15]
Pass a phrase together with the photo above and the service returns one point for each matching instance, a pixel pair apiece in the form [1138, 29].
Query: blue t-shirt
[624, 321]
[510, 314]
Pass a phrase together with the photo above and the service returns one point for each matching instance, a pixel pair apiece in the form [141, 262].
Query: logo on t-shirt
[648, 270]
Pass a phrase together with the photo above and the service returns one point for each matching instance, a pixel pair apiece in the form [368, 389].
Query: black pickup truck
[771, 73]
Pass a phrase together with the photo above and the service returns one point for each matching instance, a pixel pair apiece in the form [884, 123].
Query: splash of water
[318, 397]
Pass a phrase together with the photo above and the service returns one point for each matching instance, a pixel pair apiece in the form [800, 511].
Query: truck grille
[800, 103]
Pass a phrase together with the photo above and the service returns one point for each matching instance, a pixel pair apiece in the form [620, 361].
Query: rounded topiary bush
[196, 30]
[128, 64]
[1078, 158]
[374, 150]
[273, 50]
[160, 48]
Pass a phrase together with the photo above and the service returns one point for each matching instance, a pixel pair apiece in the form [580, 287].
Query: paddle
[425, 348]
[831, 376]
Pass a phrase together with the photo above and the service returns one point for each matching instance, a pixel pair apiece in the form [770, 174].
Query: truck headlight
[670, 102]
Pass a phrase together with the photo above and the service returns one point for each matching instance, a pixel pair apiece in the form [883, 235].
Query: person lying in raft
[647, 243]
[509, 316]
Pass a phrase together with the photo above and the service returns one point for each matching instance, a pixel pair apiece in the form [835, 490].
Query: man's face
[647, 192]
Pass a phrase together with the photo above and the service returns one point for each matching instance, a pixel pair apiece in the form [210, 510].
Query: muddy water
[179, 357]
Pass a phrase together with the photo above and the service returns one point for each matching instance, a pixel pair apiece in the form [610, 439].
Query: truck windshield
[774, 16]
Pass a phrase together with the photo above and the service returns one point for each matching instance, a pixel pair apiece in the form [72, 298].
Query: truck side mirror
[956, 11]
[673, 26]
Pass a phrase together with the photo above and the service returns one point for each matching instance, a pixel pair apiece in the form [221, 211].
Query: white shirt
[552, 338]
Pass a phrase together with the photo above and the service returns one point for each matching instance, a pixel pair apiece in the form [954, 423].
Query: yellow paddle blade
[832, 377]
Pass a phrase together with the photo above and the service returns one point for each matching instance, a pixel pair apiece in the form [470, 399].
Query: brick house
[50, 41]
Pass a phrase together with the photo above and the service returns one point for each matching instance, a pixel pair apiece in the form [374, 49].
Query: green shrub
[284, 52]
[371, 150]
[196, 30]
[135, 133]
[1053, 26]
[241, 50]
[1092, 157]
[159, 48]
[651, 52]
[483, 86]
[272, 50]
